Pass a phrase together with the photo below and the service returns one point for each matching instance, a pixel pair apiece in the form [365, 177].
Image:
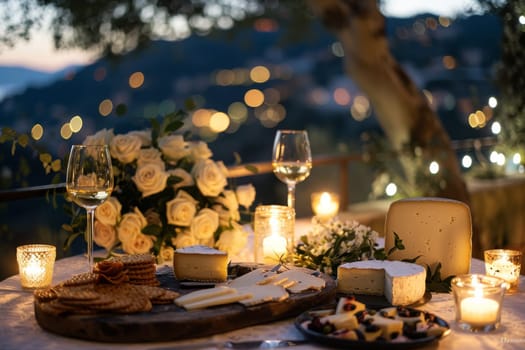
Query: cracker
[45, 294]
[81, 279]
[77, 293]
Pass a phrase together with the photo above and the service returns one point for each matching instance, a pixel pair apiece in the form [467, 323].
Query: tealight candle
[506, 264]
[325, 205]
[478, 300]
[273, 238]
[274, 248]
[35, 265]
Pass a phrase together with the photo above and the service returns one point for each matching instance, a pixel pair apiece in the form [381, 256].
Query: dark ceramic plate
[302, 321]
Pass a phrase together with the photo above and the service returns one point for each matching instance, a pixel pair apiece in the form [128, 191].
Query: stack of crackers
[119, 285]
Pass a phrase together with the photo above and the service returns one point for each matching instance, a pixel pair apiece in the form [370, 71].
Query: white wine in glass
[292, 159]
[89, 181]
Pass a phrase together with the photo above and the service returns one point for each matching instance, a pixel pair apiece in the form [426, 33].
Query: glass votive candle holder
[35, 265]
[478, 300]
[274, 227]
[325, 205]
[505, 264]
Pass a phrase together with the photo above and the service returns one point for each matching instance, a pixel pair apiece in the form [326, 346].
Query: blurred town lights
[136, 80]
[219, 122]
[466, 161]
[75, 123]
[254, 98]
[493, 102]
[497, 158]
[105, 107]
[391, 189]
[259, 74]
[521, 19]
[516, 158]
[433, 167]
[495, 128]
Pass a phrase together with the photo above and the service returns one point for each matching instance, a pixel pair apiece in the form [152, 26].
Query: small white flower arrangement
[330, 244]
[169, 193]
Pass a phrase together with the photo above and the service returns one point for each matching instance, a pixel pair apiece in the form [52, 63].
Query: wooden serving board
[170, 322]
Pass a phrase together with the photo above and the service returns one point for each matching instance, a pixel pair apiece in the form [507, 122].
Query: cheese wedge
[262, 294]
[342, 321]
[217, 300]
[200, 263]
[400, 282]
[203, 294]
[438, 230]
[303, 281]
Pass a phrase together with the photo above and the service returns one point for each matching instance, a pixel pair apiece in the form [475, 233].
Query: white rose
[230, 208]
[131, 224]
[210, 177]
[225, 216]
[165, 254]
[144, 135]
[245, 195]
[173, 146]
[139, 244]
[125, 148]
[105, 235]
[150, 179]
[150, 155]
[204, 224]
[108, 212]
[185, 178]
[233, 241]
[183, 239]
[181, 209]
[102, 137]
[199, 150]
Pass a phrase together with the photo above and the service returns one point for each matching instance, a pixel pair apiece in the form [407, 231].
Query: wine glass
[89, 181]
[292, 159]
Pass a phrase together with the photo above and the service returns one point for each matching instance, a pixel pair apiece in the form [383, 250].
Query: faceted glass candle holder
[478, 300]
[35, 265]
[505, 264]
[274, 227]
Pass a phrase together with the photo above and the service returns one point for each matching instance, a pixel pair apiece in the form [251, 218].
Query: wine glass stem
[291, 195]
[89, 237]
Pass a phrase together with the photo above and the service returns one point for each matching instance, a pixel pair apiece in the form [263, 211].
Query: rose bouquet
[330, 244]
[168, 194]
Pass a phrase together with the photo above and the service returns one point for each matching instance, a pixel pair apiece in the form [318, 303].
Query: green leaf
[70, 239]
[152, 230]
[173, 126]
[23, 140]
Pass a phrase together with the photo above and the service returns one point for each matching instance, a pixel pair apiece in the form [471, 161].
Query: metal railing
[341, 161]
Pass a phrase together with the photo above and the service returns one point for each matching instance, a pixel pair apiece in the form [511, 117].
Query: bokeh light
[136, 80]
[254, 98]
[75, 123]
[259, 74]
[37, 131]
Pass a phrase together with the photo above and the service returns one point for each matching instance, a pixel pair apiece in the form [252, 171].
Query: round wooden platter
[170, 322]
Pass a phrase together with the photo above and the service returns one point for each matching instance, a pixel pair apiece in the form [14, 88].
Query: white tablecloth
[19, 329]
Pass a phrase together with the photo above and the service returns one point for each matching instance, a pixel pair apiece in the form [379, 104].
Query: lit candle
[505, 264]
[274, 248]
[34, 271]
[478, 311]
[325, 205]
[35, 264]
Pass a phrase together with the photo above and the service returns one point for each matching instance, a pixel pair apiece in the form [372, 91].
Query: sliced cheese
[400, 282]
[349, 305]
[303, 281]
[437, 229]
[342, 321]
[217, 300]
[203, 294]
[258, 276]
[262, 294]
[200, 263]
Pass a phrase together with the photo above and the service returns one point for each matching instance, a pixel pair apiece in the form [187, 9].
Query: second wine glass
[89, 181]
[292, 159]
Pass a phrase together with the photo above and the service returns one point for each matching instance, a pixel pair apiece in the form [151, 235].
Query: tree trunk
[402, 110]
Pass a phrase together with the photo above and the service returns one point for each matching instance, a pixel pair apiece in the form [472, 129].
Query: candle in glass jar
[325, 205]
[274, 247]
[505, 264]
[478, 311]
[34, 271]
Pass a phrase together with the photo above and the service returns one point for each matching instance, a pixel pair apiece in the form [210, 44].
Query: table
[19, 329]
